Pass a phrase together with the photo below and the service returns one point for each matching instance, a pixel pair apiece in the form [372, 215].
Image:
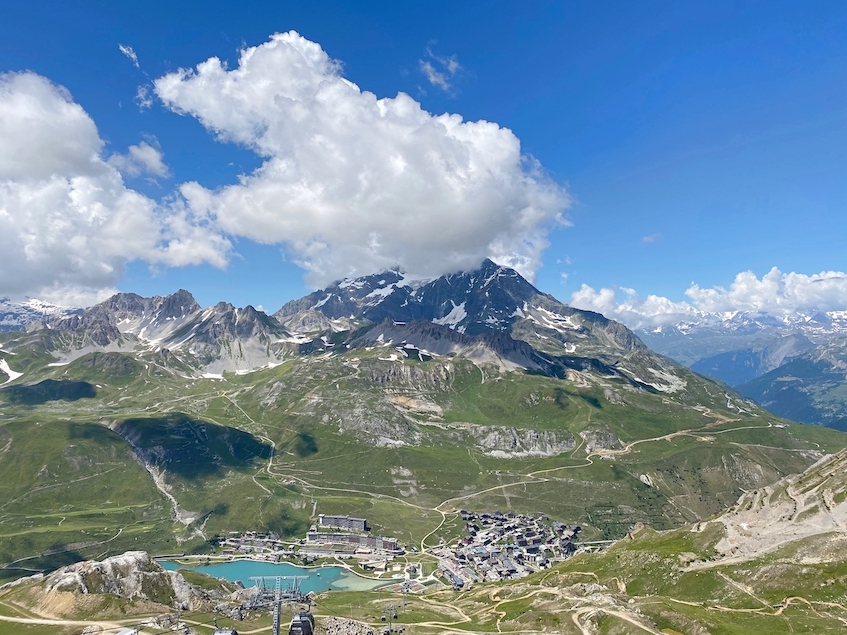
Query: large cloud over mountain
[775, 293]
[352, 183]
[68, 223]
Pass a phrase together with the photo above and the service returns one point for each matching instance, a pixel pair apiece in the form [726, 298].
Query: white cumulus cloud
[67, 220]
[625, 305]
[775, 293]
[352, 183]
[140, 159]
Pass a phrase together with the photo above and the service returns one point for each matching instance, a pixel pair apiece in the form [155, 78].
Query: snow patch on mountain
[4, 366]
[14, 316]
[324, 301]
[550, 320]
[381, 293]
[670, 382]
[456, 315]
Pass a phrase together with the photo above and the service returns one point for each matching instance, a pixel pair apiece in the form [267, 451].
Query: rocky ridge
[217, 339]
[705, 335]
[799, 507]
[491, 316]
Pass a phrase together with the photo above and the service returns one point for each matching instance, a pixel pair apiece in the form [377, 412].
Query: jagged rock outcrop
[432, 377]
[598, 439]
[123, 308]
[131, 575]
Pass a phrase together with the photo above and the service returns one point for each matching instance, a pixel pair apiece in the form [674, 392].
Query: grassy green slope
[683, 580]
[70, 490]
[358, 433]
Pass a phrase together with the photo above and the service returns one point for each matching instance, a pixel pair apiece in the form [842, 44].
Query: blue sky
[695, 141]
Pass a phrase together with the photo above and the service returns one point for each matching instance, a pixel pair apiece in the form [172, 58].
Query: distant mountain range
[793, 365]
[16, 315]
[710, 334]
[811, 388]
[491, 314]
[737, 367]
[211, 340]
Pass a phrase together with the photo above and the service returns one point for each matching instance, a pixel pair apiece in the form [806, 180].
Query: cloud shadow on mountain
[192, 448]
[49, 390]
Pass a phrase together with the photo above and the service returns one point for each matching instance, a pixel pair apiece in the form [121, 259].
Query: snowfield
[4, 366]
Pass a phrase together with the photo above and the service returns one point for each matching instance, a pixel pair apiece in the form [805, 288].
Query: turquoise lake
[320, 578]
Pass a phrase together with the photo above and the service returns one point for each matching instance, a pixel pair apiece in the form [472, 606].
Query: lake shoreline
[342, 576]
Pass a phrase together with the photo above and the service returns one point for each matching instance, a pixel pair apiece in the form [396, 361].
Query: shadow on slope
[56, 556]
[49, 390]
[191, 448]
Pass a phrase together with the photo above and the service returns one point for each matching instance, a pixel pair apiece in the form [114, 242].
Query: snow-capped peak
[15, 315]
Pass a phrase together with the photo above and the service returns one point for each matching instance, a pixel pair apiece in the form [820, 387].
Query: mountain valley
[772, 563]
[154, 424]
[793, 365]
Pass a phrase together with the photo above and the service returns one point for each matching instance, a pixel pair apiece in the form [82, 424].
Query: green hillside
[157, 459]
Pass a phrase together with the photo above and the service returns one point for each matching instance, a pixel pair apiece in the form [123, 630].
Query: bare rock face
[131, 575]
[377, 423]
[811, 505]
[437, 377]
[510, 442]
[312, 321]
[600, 439]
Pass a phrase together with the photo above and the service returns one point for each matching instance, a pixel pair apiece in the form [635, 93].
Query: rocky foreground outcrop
[131, 575]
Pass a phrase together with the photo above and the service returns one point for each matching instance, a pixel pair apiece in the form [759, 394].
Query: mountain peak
[393, 295]
[490, 299]
[178, 304]
[490, 265]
